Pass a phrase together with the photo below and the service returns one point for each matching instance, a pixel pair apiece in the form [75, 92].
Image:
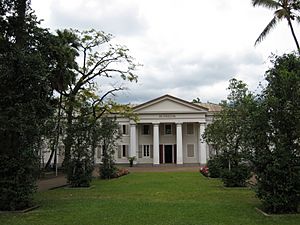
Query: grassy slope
[149, 198]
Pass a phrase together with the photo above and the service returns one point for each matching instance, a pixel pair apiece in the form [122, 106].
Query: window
[190, 150]
[146, 129]
[168, 129]
[124, 151]
[190, 128]
[124, 129]
[146, 151]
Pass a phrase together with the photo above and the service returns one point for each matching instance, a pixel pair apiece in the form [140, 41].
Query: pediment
[168, 104]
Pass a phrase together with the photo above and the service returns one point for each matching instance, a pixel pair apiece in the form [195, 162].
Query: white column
[155, 143]
[179, 143]
[202, 145]
[132, 151]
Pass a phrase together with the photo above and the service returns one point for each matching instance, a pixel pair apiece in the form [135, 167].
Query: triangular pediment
[168, 104]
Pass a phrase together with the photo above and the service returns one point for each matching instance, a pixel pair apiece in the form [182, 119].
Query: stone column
[179, 143]
[132, 151]
[202, 145]
[156, 143]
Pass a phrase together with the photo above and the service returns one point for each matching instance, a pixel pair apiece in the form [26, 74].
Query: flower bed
[204, 171]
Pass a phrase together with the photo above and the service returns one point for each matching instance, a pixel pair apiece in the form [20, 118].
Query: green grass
[149, 198]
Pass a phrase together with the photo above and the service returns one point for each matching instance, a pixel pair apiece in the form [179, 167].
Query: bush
[215, 167]
[131, 160]
[18, 174]
[236, 177]
[279, 189]
[107, 170]
[204, 171]
[121, 172]
[80, 172]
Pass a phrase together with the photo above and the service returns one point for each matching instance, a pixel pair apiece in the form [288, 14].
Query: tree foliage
[79, 171]
[100, 59]
[25, 101]
[109, 133]
[227, 134]
[276, 132]
[284, 9]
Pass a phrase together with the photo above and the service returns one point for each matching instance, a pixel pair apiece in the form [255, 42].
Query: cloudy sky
[188, 48]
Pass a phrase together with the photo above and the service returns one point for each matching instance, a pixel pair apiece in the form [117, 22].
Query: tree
[112, 61]
[284, 9]
[80, 167]
[196, 100]
[25, 101]
[61, 56]
[109, 133]
[275, 137]
[227, 134]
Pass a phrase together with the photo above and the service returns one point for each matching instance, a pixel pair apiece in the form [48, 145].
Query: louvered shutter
[119, 151]
[126, 150]
[173, 129]
[140, 151]
[161, 129]
[151, 151]
[127, 129]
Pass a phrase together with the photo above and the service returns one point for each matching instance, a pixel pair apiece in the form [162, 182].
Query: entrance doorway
[168, 154]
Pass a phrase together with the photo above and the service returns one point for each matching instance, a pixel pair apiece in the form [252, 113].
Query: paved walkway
[54, 182]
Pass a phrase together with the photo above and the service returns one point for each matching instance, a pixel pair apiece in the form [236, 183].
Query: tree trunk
[293, 33]
[51, 157]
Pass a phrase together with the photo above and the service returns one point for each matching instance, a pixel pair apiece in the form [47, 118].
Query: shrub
[204, 171]
[80, 172]
[237, 176]
[279, 189]
[131, 160]
[18, 174]
[107, 170]
[120, 172]
[215, 167]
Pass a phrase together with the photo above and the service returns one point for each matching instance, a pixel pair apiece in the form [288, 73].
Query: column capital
[155, 123]
[179, 123]
[132, 122]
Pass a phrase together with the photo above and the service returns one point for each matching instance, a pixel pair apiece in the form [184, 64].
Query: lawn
[149, 198]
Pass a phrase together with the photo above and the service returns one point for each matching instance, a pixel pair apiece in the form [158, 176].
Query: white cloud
[189, 48]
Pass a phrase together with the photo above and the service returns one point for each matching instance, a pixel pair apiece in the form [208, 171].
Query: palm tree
[283, 10]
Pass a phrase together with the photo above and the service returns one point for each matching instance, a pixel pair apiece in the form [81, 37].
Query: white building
[169, 131]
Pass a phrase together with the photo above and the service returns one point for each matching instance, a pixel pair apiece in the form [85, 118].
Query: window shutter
[127, 129]
[161, 129]
[140, 151]
[126, 150]
[119, 151]
[190, 150]
[120, 129]
[151, 151]
[190, 128]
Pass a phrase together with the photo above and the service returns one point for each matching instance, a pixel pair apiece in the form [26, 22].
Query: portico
[169, 130]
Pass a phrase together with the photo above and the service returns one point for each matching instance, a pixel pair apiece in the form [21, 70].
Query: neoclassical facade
[169, 131]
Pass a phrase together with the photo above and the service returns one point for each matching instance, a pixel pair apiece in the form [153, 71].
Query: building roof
[210, 107]
[164, 97]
